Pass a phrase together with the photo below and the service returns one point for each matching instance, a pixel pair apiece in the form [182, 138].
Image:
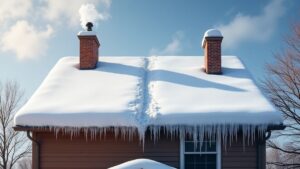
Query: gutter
[276, 127]
[273, 127]
[36, 156]
[261, 146]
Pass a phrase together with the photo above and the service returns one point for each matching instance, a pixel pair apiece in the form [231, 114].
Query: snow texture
[142, 164]
[87, 33]
[211, 33]
[132, 94]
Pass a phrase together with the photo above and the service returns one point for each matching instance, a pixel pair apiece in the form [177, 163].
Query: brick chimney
[89, 46]
[211, 43]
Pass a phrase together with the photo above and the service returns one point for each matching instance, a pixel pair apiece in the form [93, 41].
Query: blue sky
[37, 33]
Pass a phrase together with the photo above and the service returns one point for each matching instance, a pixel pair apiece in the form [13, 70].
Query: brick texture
[212, 55]
[89, 46]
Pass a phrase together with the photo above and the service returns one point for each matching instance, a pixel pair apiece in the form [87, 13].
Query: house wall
[64, 153]
[239, 155]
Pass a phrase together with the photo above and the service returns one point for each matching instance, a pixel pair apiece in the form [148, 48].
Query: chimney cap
[89, 26]
[211, 33]
[88, 31]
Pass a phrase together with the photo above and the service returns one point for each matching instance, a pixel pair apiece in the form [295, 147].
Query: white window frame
[182, 152]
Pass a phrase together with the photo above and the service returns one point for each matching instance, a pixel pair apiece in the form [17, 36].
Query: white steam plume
[89, 13]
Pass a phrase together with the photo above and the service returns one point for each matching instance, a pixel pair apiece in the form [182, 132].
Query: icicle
[228, 133]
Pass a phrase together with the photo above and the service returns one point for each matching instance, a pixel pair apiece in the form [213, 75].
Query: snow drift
[142, 164]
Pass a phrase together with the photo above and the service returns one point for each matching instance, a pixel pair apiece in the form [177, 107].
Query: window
[195, 157]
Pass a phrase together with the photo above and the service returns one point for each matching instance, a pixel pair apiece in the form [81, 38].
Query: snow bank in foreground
[142, 164]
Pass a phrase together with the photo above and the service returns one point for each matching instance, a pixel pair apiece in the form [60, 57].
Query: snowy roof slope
[71, 97]
[141, 91]
[181, 90]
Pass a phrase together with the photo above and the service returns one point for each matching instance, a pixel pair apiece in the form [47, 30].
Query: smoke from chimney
[89, 13]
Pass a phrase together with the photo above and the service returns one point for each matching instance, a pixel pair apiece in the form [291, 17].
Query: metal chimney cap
[89, 26]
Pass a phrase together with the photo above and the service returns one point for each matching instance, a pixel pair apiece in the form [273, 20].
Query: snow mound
[87, 33]
[211, 33]
[142, 164]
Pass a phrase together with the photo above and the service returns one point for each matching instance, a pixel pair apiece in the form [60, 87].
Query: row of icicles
[227, 133]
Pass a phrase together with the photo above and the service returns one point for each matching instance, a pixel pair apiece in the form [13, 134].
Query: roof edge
[270, 127]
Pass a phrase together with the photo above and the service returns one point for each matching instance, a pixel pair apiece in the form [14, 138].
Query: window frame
[182, 152]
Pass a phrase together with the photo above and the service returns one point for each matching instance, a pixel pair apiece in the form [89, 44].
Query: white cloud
[89, 13]
[14, 9]
[252, 28]
[25, 40]
[19, 19]
[173, 48]
[67, 10]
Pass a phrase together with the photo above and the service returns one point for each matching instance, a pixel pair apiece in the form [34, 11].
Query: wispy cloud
[25, 40]
[14, 9]
[172, 48]
[58, 11]
[252, 28]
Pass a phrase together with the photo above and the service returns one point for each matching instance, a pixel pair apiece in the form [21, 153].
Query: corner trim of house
[182, 149]
[219, 153]
[36, 157]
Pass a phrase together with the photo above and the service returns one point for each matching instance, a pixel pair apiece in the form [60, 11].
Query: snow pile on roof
[184, 94]
[150, 92]
[211, 33]
[142, 164]
[87, 33]
[106, 96]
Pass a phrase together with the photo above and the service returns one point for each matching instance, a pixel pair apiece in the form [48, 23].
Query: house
[187, 112]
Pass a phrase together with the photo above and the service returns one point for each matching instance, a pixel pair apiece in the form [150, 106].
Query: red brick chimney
[211, 43]
[89, 46]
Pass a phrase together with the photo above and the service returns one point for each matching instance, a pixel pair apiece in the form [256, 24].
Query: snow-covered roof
[211, 33]
[147, 91]
[142, 164]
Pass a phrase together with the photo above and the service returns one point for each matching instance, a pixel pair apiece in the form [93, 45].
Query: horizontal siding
[64, 153]
[239, 155]
[81, 153]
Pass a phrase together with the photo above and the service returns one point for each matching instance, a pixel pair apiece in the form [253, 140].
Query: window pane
[189, 166]
[211, 158]
[211, 146]
[200, 166]
[200, 161]
[202, 147]
[200, 158]
[189, 159]
[211, 166]
[189, 147]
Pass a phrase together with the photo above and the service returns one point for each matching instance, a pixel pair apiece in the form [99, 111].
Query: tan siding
[81, 153]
